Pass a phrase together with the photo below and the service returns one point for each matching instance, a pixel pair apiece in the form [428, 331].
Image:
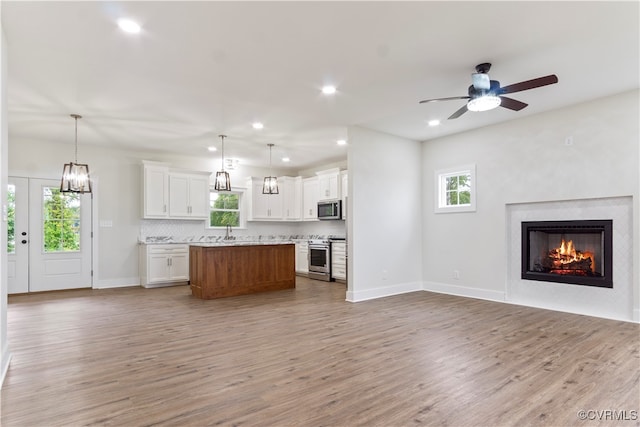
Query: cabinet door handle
[164, 208]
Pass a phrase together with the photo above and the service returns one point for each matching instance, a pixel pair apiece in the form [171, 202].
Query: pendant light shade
[75, 176]
[270, 185]
[223, 181]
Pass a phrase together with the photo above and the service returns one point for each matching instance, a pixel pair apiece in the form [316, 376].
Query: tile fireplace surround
[615, 303]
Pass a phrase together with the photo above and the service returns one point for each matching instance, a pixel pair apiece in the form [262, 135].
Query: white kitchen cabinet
[155, 190]
[163, 265]
[344, 190]
[329, 184]
[302, 258]
[338, 260]
[310, 198]
[291, 188]
[263, 207]
[189, 195]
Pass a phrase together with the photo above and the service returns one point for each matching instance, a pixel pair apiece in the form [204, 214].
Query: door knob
[24, 242]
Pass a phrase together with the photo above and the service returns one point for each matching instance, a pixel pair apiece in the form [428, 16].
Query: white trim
[439, 192]
[5, 368]
[123, 282]
[636, 315]
[387, 291]
[463, 291]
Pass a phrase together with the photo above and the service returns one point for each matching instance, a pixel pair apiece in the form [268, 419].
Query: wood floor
[305, 357]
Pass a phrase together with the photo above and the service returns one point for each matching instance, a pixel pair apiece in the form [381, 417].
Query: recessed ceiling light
[433, 122]
[328, 90]
[286, 159]
[212, 149]
[129, 26]
[257, 125]
[341, 142]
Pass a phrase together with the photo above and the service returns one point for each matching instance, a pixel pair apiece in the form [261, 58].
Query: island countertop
[224, 269]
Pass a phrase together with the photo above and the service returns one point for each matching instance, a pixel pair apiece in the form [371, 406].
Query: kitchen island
[221, 270]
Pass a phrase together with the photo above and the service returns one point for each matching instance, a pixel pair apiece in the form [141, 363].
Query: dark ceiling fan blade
[444, 99]
[512, 104]
[458, 113]
[530, 84]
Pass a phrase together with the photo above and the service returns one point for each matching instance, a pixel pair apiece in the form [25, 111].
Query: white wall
[5, 355]
[526, 160]
[385, 215]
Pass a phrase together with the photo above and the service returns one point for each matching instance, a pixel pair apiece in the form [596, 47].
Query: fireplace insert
[572, 252]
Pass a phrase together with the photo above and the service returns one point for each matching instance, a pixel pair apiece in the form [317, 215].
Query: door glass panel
[11, 219]
[61, 220]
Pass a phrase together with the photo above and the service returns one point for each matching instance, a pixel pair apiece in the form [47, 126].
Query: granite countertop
[241, 243]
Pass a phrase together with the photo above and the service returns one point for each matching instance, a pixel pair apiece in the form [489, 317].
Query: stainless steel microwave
[330, 209]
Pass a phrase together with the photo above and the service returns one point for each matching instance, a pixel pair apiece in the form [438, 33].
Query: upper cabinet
[263, 207]
[174, 194]
[310, 197]
[189, 195]
[329, 184]
[155, 191]
[291, 197]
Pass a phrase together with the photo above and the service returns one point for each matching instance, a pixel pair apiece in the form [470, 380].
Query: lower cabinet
[302, 261]
[338, 261]
[164, 265]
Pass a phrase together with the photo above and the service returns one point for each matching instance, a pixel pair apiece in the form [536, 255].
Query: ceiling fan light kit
[486, 94]
[484, 103]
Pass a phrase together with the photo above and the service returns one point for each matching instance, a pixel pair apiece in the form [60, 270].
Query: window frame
[440, 189]
[241, 210]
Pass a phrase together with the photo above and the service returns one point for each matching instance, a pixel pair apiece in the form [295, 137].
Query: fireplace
[572, 252]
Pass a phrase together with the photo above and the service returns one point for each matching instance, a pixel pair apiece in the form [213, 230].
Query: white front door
[18, 236]
[60, 243]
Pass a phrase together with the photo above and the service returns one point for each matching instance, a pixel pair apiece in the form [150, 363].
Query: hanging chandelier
[223, 182]
[75, 176]
[270, 185]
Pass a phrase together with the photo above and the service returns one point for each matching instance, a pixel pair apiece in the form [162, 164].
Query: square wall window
[455, 189]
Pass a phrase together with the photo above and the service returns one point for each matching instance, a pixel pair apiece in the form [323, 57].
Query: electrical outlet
[568, 141]
[384, 274]
[456, 274]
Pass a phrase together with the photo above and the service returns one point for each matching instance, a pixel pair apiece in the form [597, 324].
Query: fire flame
[567, 254]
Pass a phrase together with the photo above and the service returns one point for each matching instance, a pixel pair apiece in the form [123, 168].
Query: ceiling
[199, 69]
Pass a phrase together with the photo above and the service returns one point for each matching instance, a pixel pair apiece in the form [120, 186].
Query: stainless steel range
[320, 259]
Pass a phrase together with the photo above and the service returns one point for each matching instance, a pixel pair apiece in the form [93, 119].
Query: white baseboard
[123, 282]
[636, 315]
[387, 291]
[6, 358]
[444, 288]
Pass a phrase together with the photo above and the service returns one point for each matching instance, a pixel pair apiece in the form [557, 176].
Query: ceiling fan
[486, 94]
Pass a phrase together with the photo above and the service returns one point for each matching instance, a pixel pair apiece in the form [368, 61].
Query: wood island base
[225, 271]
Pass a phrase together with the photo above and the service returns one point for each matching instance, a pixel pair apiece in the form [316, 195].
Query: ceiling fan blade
[530, 84]
[458, 113]
[512, 104]
[444, 99]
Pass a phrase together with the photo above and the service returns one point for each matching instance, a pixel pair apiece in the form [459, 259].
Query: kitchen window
[455, 189]
[225, 209]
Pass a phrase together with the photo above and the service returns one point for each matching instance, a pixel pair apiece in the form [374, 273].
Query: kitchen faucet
[228, 236]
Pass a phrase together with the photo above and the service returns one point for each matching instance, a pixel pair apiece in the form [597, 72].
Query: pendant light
[270, 185]
[223, 182]
[75, 176]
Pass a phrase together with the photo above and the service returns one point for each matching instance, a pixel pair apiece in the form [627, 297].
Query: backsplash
[179, 231]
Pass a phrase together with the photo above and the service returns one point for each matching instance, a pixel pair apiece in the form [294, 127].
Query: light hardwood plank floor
[305, 357]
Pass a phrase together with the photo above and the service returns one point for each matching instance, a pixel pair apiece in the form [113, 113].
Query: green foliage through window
[11, 219]
[225, 209]
[61, 220]
[458, 190]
